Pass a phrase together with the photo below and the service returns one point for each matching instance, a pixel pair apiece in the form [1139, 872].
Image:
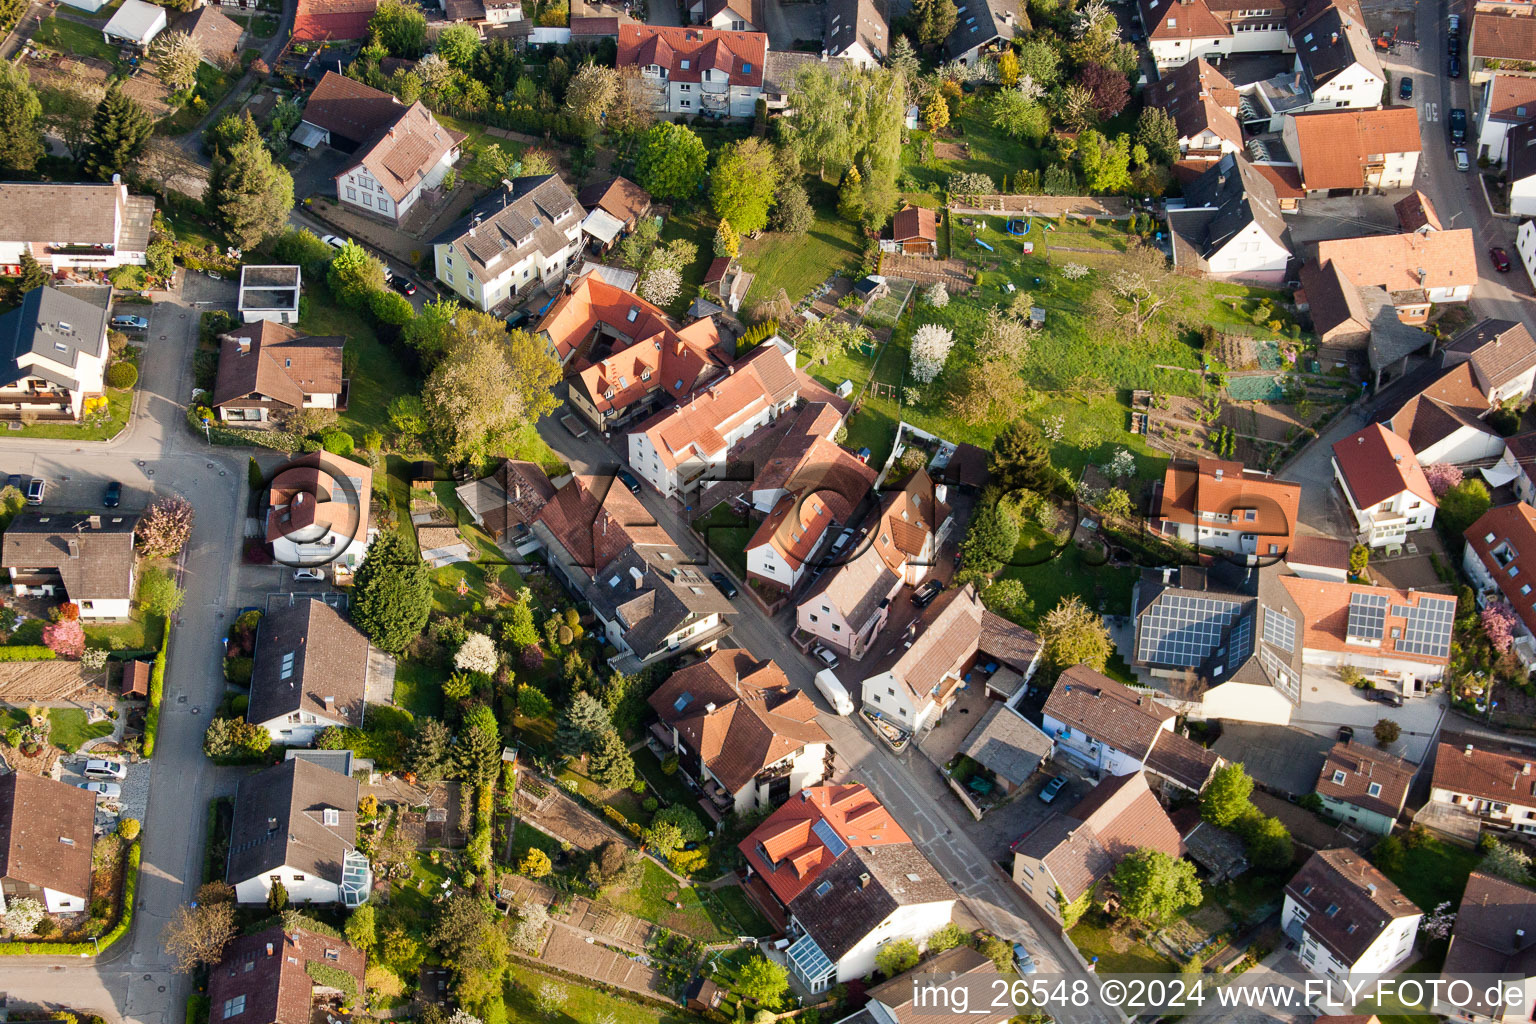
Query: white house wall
[1466, 444]
[302, 887]
[916, 921]
[1246, 702]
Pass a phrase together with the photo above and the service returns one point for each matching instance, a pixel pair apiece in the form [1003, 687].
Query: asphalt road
[134, 981]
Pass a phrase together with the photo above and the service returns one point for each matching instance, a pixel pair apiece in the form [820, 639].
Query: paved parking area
[941, 741]
[1327, 704]
[135, 798]
[1021, 815]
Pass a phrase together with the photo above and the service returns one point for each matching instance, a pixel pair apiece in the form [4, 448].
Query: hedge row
[27, 653]
[156, 693]
[124, 922]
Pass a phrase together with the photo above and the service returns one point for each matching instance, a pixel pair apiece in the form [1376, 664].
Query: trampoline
[1018, 227]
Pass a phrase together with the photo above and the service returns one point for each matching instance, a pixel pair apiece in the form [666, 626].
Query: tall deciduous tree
[1226, 799]
[591, 92]
[490, 381]
[459, 45]
[1154, 886]
[391, 593]
[742, 187]
[1074, 634]
[1156, 130]
[670, 164]
[177, 56]
[792, 211]
[465, 934]
[166, 526]
[196, 936]
[763, 981]
[250, 195]
[21, 112]
[400, 27]
[119, 130]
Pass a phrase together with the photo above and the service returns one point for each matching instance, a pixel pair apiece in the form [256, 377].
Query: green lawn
[656, 898]
[419, 687]
[582, 1005]
[740, 906]
[119, 404]
[990, 152]
[727, 535]
[1433, 872]
[70, 728]
[376, 374]
[668, 788]
[526, 444]
[133, 635]
[262, 26]
[73, 37]
[798, 263]
[525, 837]
[1048, 576]
[1117, 953]
[212, 85]
[697, 226]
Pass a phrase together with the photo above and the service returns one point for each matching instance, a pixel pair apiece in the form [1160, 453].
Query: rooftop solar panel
[1367, 616]
[1183, 631]
[1427, 628]
[1279, 629]
[833, 842]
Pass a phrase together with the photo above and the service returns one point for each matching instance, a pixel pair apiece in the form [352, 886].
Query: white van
[836, 694]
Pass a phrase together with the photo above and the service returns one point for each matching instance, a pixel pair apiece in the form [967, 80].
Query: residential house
[898, 1000]
[856, 31]
[634, 358]
[73, 226]
[681, 447]
[317, 512]
[268, 292]
[86, 559]
[1443, 422]
[1502, 355]
[46, 831]
[1111, 729]
[502, 18]
[1354, 151]
[1499, 40]
[511, 242]
[1230, 227]
[1385, 486]
[979, 25]
[849, 605]
[1507, 100]
[1516, 466]
[1416, 213]
[914, 683]
[1203, 104]
[1338, 61]
[1364, 786]
[729, 15]
[283, 977]
[914, 232]
[53, 356]
[804, 509]
[1399, 640]
[1349, 920]
[407, 154]
[507, 502]
[1500, 560]
[849, 879]
[1008, 746]
[1063, 858]
[267, 370]
[1521, 158]
[1340, 317]
[217, 35]
[345, 114]
[1494, 933]
[1220, 506]
[296, 823]
[651, 599]
[332, 20]
[1415, 270]
[696, 70]
[742, 731]
[310, 673]
[1483, 783]
[135, 24]
[614, 208]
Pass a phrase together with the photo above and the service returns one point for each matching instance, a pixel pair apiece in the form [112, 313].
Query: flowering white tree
[1122, 464]
[477, 654]
[930, 348]
[463, 1016]
[1073, 271]
[550, 997]
[1030, 89]
[1054, 428]
[22, 915]
[661, 285]
[1438, 924]
[937, 296]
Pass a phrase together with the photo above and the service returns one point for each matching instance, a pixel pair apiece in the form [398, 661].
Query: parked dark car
[628, 480]
[723, 584]
[1456, 121]
[1500, 259]
[113, 496]
[1453, 67]
[1388, 697]
[1405, 89]
[923, 596]
[402, 286]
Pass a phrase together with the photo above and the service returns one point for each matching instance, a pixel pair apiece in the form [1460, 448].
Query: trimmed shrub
[337, 442]
[27, 653]
[122, 374]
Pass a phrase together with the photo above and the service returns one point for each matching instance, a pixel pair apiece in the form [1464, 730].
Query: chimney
[1335, 39]
[269, 945]
[709, 708]
[1370, 887]
[864, 880]
[1468, 751]
[1220, 472]
[245, 345]
[1525, 769]
[330, 703]
[74, 548]
[1423, 277]
[637, 576]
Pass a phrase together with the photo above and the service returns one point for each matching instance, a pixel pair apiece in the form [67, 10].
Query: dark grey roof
[92, 554]
[280, 820]
[1215, 849]
[54, 326]
[856, 21]
[1231, 195]
[505, 226]
[669, 595]
[842, 907]
[1391, 339]
[979, 22]
[306, 654]
[338, 761]
[1332, 43]
[1005, 743]
[1209, 628]
[781, 66]
[1522, 151]
[1282, 757]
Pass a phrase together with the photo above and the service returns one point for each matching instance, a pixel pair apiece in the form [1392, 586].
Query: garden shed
[136, 23]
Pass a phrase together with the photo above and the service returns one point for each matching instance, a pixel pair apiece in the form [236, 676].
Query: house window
[352, 194]
[814, 619]
[684, 87]
[890, 691]
[298, 878]
[234, 1007]
[1374, 789]
[1338, 778]
[685, 103]
[836, 628]
[367, 198]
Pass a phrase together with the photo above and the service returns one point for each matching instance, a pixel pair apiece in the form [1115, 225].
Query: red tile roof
[1515, 526]
[1377, 464]
[1502, 36]
[1349, 902]
[1198, 98]
[1358, 768]
[1415, 211]
[1485, 768]
[1511, 98]
[1333, 145]
[740, 55]
[596, 519]
[400, 156]
[701, 422]
[786, 850]
[1192, 20]
[826, 486]
[1449, 403]
[914, 222]
[332, 19]
[46, 829]
[267, 972]
[1192, 487]
[1324, 607]
[1448, 259]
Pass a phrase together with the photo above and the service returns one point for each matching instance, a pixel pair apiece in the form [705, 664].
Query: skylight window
[286, 671]
[1338, 778]
[1374, 789]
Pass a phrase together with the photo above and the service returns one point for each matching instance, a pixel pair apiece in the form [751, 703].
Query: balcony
[774, 771]
[81, 250]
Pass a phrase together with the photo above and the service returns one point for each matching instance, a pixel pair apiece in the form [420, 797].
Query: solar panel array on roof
[1242, 640]
[1279, 629]
[1183, 631]
[1367, 616]
[833, 842]
[1428, 628]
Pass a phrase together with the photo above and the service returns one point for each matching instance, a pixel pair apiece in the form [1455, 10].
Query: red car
[1500, 259]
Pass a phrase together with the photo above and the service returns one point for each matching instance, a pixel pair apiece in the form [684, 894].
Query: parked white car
[103, 790]
[102, 769]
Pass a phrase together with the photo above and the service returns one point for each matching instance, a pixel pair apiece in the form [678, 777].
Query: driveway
[1327, 703]
[1021, 815]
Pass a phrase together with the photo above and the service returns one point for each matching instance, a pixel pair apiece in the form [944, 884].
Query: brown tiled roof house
[266, 978]
[267, 369]
[46, 831]
[310, 672]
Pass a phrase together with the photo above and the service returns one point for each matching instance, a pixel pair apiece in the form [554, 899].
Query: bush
[156, 694]
[27, 653]
[337, 442]
[122, 374]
